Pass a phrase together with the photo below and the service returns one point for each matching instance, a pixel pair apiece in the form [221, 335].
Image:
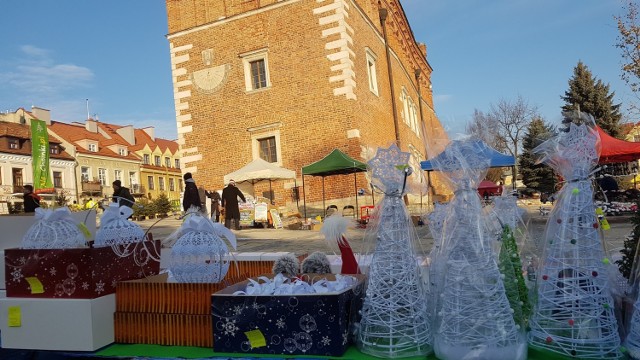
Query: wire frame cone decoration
[632, 341]
[574, 312]
[436, 220]
[200, 255]
[54, 229]
[116, 229]
[394, 320]
[474, 319]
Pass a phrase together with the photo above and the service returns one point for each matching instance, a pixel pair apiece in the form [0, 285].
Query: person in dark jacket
[191, 194]
[230, 196]
[31, 200]
[122, 195]
[215, 204]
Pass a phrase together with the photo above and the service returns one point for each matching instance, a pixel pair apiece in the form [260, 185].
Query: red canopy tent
[614, 150]
[490, 187]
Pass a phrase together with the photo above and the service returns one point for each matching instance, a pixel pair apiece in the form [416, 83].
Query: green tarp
[336, 163]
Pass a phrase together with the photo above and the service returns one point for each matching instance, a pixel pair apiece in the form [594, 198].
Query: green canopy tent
[336, 163]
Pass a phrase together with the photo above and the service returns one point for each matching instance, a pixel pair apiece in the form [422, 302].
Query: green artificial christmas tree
[625, 264]
[510, 266]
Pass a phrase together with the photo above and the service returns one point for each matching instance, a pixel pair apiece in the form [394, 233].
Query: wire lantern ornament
[116, 229]
[200, 255]
[54, 229]
[574, 313]
[395, 321]
[474, 318]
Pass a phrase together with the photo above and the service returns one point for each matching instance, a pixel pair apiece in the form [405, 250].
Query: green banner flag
[40, 155]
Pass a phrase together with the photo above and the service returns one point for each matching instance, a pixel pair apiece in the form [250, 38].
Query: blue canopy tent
[498, 159]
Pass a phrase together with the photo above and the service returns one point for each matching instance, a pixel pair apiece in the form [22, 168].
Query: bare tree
[484, 128]
[504, 125]
[628, 42]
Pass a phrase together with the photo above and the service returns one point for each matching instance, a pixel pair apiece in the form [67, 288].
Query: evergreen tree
[625, 264]
[590, 95]
[536, 176]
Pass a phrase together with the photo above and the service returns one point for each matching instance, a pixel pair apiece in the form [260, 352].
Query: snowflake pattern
[100, 287]
[22, 260]
[114, 283]
[85, 285]
[237, 310]
[325, 341]
[229, 327]
[254, 306]
[345, 338]
[53, 271]
[16, 275]
[280, 323]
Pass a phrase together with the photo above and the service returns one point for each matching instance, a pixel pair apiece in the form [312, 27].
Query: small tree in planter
[141, 208]
[162, 205]
[61, 198]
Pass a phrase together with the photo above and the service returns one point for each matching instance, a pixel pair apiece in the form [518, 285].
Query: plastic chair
[349, 210]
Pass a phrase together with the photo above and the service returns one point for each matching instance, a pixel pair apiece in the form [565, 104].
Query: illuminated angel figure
[394, 321]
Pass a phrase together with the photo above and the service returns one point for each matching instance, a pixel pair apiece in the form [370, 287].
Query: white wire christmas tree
[632, 342]
[574, 311]
[474, 319]
[394, 320]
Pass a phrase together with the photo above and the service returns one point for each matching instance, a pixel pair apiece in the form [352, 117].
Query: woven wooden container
[163, 329]
[155, 295]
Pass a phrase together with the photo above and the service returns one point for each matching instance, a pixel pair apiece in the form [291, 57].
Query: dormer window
[93, 147]
[14, 143]
[145, 159]
[54, 149]
[122, 151]
[157, 160]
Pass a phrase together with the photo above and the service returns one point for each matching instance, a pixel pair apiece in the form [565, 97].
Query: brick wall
[319, 98]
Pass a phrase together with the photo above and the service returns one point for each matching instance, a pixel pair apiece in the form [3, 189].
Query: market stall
[254, 172]
[336, 163]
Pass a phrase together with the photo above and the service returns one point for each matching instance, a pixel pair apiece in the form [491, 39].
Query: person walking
[230, 196]
[122, 195]
[215, 204]
[31, 200]
[191, 196]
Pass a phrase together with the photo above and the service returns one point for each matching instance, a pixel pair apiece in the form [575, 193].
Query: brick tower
[291, 80]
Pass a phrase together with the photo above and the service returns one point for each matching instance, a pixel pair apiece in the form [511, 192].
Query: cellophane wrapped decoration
[116, 229]
[574, 314]
[474, 319]
[54, 229]
[200, 255]
[395, 321]
[507, 216]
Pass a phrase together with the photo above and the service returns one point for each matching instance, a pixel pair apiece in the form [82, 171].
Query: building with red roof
[16, 162]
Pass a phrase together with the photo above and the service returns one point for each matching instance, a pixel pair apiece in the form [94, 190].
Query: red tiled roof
[142, 139]
[23, 132]
[76, 132]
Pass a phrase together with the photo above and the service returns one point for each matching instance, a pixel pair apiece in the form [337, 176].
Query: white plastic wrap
[574, 313]
[200, 255]
[474, 319]
[54, 229]
[395, 321]
[115, 229]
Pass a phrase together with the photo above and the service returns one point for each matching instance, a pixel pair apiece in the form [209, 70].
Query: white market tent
[259, 170]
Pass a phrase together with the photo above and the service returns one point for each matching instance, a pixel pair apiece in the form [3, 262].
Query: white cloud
[442, 98]
[37, 75]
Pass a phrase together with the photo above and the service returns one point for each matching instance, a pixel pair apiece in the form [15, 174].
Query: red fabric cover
[614, 150]
[349, 263]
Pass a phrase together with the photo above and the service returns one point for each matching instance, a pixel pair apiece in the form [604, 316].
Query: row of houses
[86, 157]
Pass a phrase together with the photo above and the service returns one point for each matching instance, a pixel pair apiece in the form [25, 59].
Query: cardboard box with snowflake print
[313, 324]
[77, 273]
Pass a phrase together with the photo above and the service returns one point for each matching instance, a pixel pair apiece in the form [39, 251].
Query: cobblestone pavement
[308, 241]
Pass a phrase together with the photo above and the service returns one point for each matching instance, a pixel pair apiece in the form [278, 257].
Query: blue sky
[60, 53]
